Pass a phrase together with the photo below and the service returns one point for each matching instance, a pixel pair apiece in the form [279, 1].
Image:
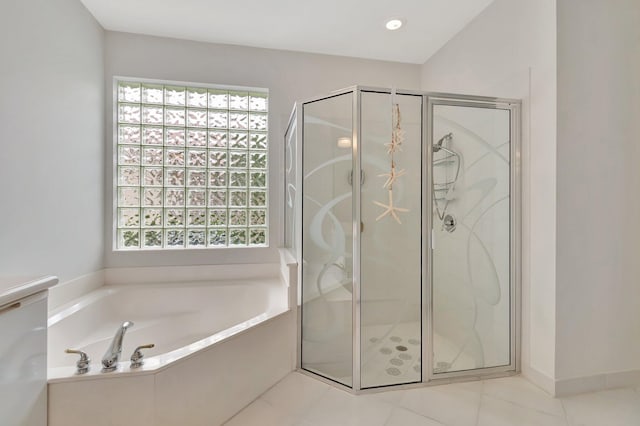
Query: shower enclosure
[402, 210]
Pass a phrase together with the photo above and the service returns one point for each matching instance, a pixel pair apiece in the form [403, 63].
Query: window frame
[115, 177]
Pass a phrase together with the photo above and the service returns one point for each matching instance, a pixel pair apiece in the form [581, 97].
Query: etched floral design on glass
[259, 179]
[258, 198]
[175, 177]
[217, 139]
[197, 158]
[152, 157]
[257, 236]
[174, 217]
[152, 176]
[130, 239]
[258, 161]
[175, 157]
[238, 179]
[197, 178]
[197, 197]
[175, 197]
[237, 237]
[217, 178]
[152, 197]
[238, 140]
[217, 198]
[197, 138]
[175, 238]
[197, 237]
[258, 217]
[153, 238]
[217, 237]
[197, 217]
[258, 141]
[238, 160]
[217, 217]
[217, 159]
[237, 217]
[153, 217]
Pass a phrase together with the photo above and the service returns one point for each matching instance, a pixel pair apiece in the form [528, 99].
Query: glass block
[197, 178]
[152, 156]
[197, 197]
[175, 116]
[238, 237]
[238, 198]
[197, 217]
[152, 176]
[129, 176]
[153, 238]
[174, 137]
[174, 197]
[238, 160]
[258, 198]
[258, 217]
[217, 139]
[258, 121]
[128, 92]
[217, 217]
[237, 218]
[258, 141]
[217, 159]
[218, 99]
[128, 155]
[239, 100]
[129, 113]
[197, 238]
[152, 217]
[175, 157]
[197, 97]
[175, 177]
[129, 197]
[174, 217]
[128, 218]
[174, 95]
[217, 198]
[258, 160]
[258, 101]
[152, 115]
[197, 117]
[175, 238]
[152, 197]
[152, 135]
[217, 178]
[129, 238]
[197, 158]
[238, 140]
[129, 134]
[217, 237]
[218, 119]
[238, 179]
[238, 120]
[197, 138]
[259, 179]
[257, 236]
[152, 94]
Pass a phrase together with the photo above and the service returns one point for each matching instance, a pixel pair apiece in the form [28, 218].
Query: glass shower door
[327, 238]
[472, 275]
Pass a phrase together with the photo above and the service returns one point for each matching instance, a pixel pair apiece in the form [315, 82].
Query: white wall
[51, 139]
[289, 76]
[509, 50]
[598, 216]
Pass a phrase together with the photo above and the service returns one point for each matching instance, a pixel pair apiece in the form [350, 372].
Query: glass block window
[191, 166]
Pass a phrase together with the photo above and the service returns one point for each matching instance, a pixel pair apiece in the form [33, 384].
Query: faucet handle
[137, 355]
[83, 362]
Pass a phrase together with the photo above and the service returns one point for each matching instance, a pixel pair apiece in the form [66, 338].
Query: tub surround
[203, 378]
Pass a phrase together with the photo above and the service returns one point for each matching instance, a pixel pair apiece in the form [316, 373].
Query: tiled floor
[299, 400]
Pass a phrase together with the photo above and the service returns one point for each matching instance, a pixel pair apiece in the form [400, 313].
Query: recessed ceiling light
[393, 24]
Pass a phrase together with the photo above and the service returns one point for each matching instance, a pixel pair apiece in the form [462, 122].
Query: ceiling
[336, 27]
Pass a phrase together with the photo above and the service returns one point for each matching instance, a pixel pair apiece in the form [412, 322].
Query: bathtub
[217, 346]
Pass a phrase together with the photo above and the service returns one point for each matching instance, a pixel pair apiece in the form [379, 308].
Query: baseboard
[72, 289]
[539, 379]
[597, 382]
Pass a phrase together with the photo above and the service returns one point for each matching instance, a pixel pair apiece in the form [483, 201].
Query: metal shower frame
[429, 100]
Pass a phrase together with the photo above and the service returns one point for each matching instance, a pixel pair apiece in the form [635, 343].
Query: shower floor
[393, 355]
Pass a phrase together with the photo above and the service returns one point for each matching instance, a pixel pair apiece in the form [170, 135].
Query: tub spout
[112, 355]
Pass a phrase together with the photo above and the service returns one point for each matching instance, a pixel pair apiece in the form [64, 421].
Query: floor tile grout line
[480, 402]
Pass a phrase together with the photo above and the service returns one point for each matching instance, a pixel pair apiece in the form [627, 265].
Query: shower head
[438, 145]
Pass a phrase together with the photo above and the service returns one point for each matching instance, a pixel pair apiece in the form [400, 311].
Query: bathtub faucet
[112, 355]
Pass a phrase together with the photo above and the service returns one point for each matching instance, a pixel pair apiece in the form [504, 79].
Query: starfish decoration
[390, 209]
[396, 142]
[392, 176]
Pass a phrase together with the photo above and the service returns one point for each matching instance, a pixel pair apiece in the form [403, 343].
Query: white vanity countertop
[15, 288]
